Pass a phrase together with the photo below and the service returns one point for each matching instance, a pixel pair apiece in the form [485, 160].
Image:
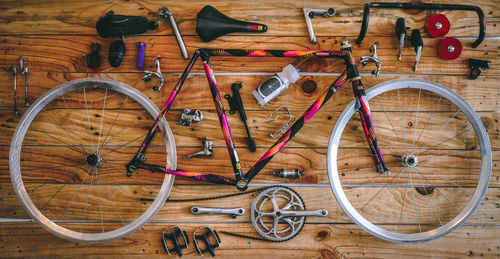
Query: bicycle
[447, 196]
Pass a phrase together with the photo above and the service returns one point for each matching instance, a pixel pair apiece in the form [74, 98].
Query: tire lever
[236, 104]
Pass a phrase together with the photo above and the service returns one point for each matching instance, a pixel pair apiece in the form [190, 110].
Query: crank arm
[303, 213]
[196, 210]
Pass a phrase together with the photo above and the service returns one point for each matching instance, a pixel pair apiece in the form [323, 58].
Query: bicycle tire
[108, 181]
[386, 221]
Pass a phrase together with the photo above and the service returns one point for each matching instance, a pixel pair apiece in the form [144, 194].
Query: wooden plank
[132, 125]
[32, 18]
[355, 166]
[123, 203]
[67, 54]
[481, 94]
[315, 240]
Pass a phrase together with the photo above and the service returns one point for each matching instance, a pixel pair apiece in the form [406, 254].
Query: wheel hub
[409, 160]
[94, 160]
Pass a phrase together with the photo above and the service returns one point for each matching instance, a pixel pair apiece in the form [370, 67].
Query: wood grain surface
[54, 37]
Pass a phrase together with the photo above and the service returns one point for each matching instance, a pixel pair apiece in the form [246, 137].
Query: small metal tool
[236, 104]
[189, 116]
[173, 233]
[25, 71]
[291, 174]
[373, 58]
[13, 70]
[234, 212]
[206, 152]
[418, 44]
[165, 13]
[401, 34]
[285, 126]
[148, 74]
[310, 12]
[207, 237]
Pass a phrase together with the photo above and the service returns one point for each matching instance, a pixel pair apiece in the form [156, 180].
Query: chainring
[267, 218]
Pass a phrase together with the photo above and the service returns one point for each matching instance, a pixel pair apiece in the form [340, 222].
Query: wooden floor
[54, 37]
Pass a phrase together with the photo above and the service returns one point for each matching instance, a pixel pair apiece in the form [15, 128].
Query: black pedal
[207, 237]
[173, 233]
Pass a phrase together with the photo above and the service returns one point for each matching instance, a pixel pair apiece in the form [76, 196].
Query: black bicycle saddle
[211, 24]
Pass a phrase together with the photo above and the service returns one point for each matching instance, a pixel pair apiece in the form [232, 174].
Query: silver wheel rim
[468, 209]
[15, 170]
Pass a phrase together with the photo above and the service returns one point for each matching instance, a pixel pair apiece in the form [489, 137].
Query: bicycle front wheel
[438, 152]
[68, 155]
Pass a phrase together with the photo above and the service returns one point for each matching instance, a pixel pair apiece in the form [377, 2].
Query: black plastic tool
[93, 59]
[475, 67]
[236, 104]
[116, 53]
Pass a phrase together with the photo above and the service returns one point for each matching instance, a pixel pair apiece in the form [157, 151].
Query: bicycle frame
[241, 181]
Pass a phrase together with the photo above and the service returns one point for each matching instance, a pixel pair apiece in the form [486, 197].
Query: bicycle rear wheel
[68, 155]
[438, 152]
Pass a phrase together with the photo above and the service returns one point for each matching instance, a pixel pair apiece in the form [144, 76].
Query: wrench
[234, 212]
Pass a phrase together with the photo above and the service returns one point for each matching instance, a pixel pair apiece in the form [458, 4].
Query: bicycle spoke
[416, 121]
[402, 207]
[381, 189]
[460, 134]
[429, 118]
[113, 123]
[391, 194]
[439, 131]
[390, 123]
[414, 200]
[87, 203]
[113, 150]
[88, 119]
[66, 145]
[98, 183]
[401, 118]
[440, 193]
[51, 198]
[430, 200]
[74, 195]
[65, 131]
[443, 178]
[102, 120]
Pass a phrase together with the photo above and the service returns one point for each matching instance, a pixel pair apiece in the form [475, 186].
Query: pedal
[210, 240]
[173, 233]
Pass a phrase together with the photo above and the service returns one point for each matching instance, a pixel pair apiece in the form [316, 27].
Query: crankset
[278, 213]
